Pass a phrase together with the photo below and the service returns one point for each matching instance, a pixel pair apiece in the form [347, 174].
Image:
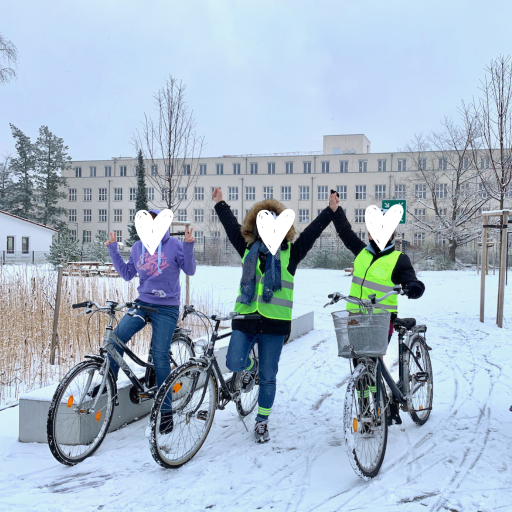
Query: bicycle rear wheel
[421, 400]
[74, 431]
[365, 425]
[194, 401]
[182, 349]
[249, 399]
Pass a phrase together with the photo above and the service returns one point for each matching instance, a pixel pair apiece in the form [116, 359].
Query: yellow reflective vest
[374, 278]
[280, 306]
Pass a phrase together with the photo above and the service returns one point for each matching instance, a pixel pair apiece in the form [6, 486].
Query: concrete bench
[34, 406]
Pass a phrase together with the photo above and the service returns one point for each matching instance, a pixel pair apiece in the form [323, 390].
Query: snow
[459, 460]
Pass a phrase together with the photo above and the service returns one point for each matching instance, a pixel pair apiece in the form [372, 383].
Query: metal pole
[55, 335]
[483, 261]
[187, 286]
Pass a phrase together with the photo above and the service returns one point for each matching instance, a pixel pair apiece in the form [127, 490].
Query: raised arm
[344, 229]
[185, 254]
[228, 220]
[308, 237]
[126, 270]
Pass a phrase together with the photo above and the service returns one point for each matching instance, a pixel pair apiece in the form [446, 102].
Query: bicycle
[198, 389]
[83, 404]
[362, 336]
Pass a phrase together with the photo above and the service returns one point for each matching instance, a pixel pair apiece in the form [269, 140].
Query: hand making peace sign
[188, 235]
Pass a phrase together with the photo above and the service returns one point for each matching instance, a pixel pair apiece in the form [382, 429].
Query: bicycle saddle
[408, 323]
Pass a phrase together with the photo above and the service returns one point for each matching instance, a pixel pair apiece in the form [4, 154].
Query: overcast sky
[262, 76]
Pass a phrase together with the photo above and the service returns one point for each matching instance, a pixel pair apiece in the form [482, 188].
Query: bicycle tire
[183, 403]
[360, 424]
[66, 431]
[187, 351]
[248, 400]
[420, 400]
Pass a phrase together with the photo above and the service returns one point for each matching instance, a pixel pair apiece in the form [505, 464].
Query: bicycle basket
[361, 334]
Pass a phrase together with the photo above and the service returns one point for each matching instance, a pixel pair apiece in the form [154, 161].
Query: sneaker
[166, 422]
[394, 415]
[249, 377]
[261, 432]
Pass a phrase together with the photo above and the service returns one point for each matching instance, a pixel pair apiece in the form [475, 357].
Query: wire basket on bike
[362, 332]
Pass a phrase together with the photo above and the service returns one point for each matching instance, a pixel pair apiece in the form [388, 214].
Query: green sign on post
[388, 203]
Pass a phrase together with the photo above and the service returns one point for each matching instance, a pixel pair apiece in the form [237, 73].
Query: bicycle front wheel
[74, 430]
[365, 425]
[422, 392]
[193, 391]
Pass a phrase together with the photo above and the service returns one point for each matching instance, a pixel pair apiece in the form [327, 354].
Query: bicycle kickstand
[243, 421]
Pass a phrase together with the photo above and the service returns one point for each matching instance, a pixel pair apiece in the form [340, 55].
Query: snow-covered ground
[461, 460]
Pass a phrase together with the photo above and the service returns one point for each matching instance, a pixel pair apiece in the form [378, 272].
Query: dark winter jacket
[242, 237]
[403, 272]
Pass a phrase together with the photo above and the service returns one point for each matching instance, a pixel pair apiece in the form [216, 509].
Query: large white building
[101, 193]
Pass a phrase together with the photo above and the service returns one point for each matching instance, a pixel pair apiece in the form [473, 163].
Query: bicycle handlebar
[336, 296]
[88, 304]
[189, 310]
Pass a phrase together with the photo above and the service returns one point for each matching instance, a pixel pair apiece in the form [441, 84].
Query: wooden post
[494, 260]
[483, 261]
[55, 335]
[503, 269]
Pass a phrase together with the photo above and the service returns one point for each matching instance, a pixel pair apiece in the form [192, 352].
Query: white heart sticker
[152, 231]
[272, 231]
[380, 226]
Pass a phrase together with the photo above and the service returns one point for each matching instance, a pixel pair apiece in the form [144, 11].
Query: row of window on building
[418, 238]
[199, 215]
[442, 164]
[380, 192]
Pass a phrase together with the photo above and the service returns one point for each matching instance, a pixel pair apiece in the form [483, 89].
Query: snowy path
[461, 460]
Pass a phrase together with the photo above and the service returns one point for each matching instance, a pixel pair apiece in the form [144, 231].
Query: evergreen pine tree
[22, 170]
[64, 249]
[141, 199]
[5, 186]
[98, 251]
[51, 161]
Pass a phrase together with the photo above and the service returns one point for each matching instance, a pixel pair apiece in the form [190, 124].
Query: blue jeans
[163, 323]
[269, 352]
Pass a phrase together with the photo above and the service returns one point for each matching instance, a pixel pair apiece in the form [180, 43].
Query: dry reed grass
[27, 298]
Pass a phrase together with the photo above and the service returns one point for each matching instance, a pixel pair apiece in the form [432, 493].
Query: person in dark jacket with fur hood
[266, 288]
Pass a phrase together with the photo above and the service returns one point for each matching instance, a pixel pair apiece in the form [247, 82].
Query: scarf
[272, 276]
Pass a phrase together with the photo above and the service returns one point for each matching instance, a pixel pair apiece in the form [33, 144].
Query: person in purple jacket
[159, 277]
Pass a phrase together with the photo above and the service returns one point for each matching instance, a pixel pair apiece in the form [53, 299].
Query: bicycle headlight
[201, 345]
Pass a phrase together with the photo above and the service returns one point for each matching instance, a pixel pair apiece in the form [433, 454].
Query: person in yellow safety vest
[266, 288]
[377, 271]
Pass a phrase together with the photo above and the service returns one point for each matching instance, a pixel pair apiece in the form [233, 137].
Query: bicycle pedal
[202, 415]
[421, 376]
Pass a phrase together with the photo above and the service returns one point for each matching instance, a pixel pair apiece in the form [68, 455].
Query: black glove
[414, 290]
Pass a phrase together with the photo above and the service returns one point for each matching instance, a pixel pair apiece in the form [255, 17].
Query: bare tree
[170, 140]
[493, 111]
[446, 184]
[8, 54]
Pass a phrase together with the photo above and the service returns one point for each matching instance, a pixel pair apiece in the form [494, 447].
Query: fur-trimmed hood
[250, 220]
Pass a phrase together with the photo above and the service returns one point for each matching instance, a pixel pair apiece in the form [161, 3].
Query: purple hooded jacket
[159, 274]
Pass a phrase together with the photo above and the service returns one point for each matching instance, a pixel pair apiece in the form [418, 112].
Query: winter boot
[394, 415]
[261, 432]
[249, 376]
